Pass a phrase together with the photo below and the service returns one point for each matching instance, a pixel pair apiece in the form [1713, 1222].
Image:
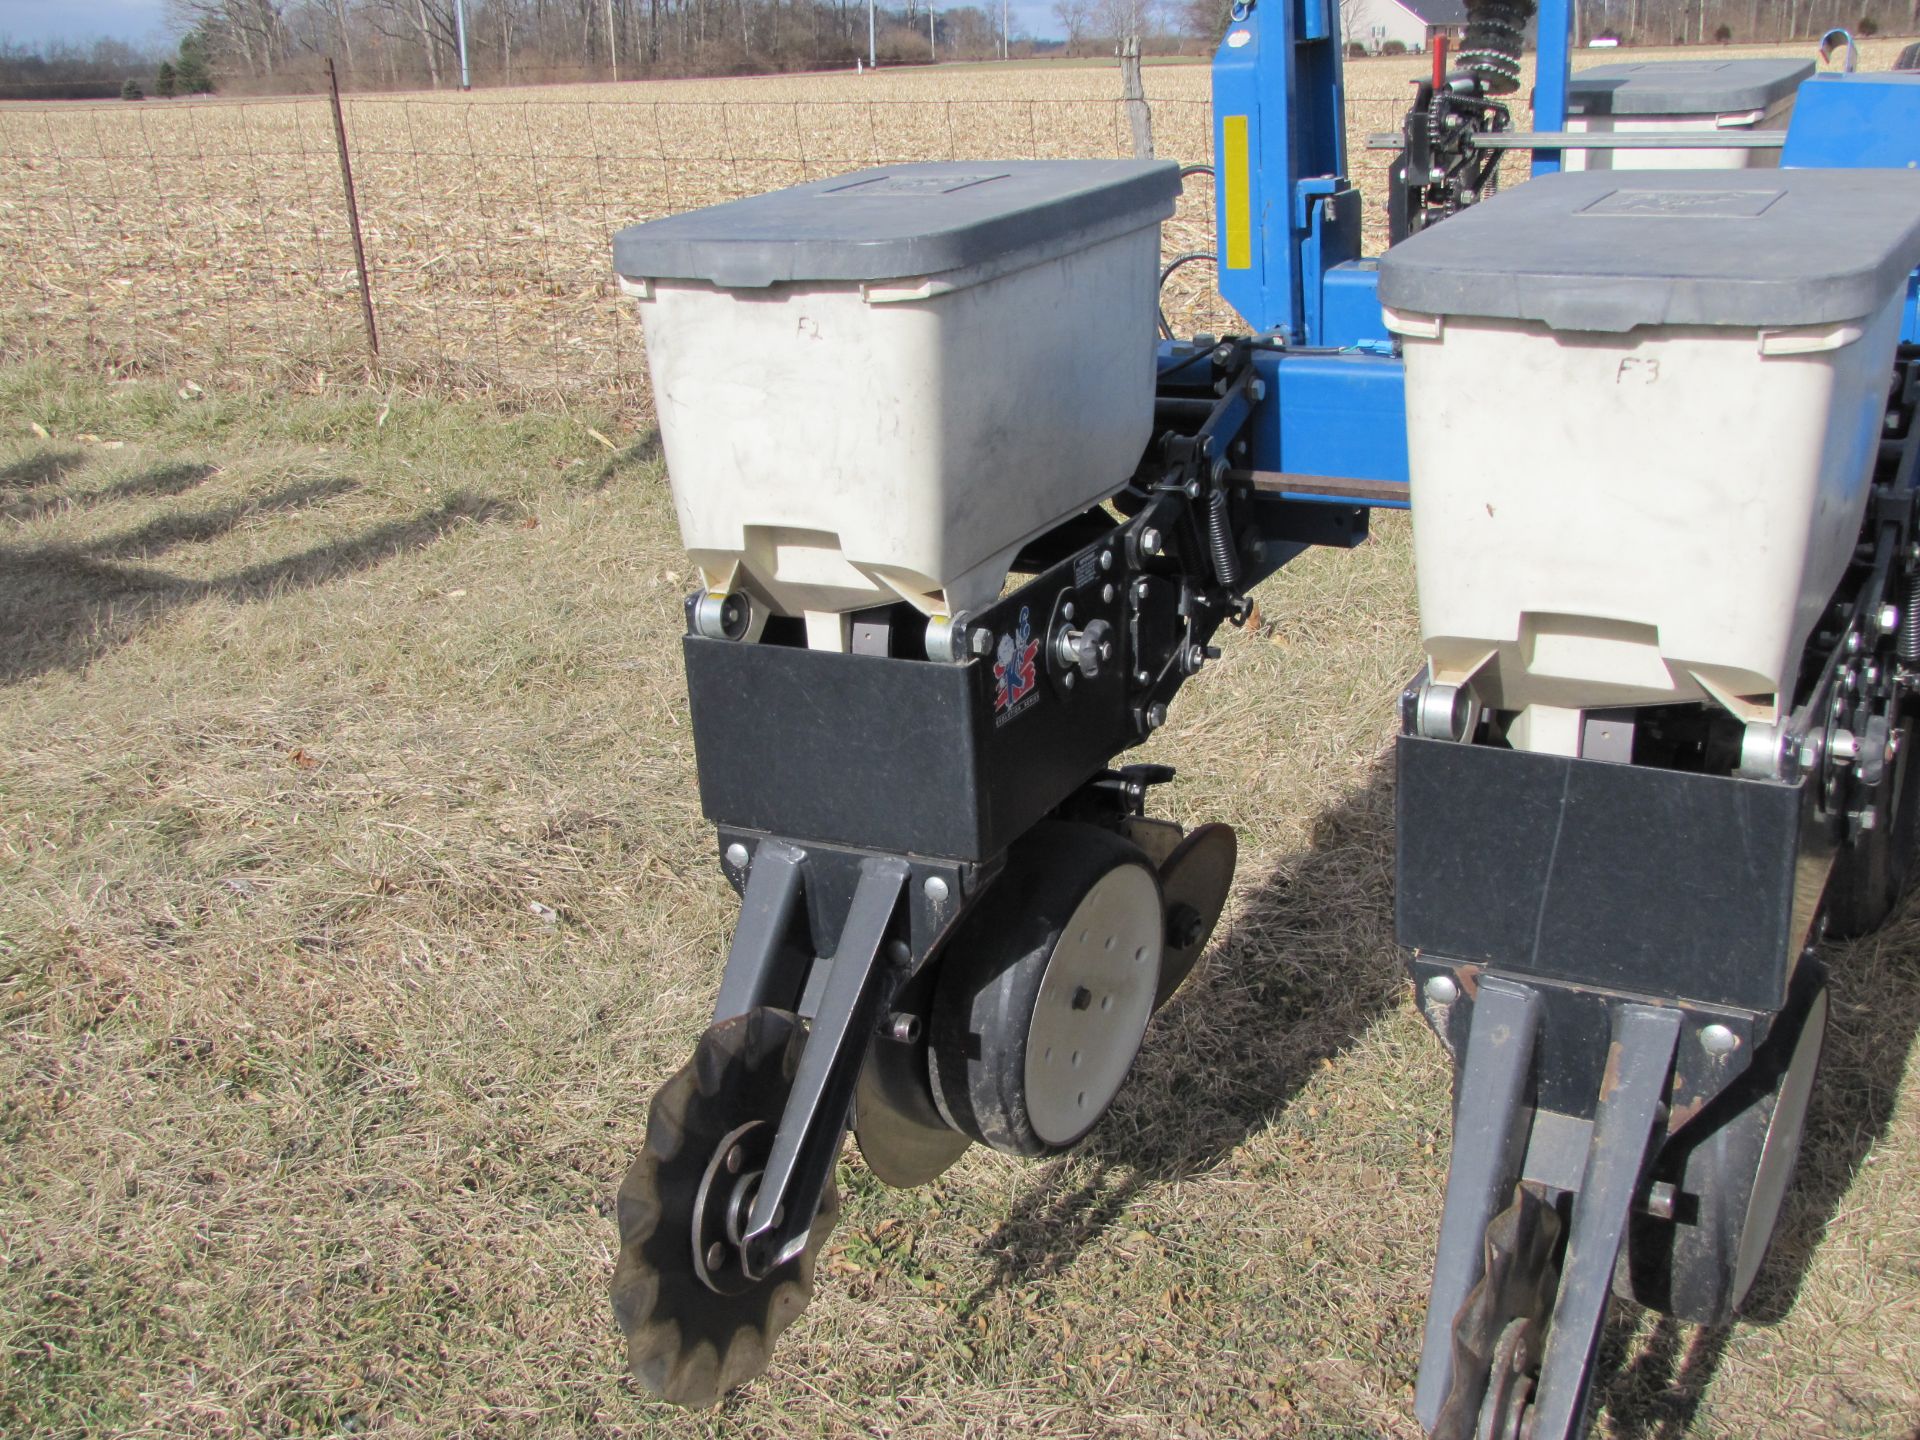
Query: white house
[1414, 23]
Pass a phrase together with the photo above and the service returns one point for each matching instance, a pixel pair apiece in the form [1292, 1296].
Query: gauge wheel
[1046, 990]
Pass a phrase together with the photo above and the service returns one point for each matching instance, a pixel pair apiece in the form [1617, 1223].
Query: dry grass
[210, 239]
[312, 1121]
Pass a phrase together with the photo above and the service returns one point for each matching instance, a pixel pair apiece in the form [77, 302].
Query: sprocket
[697, 1322]
[1498, 1334]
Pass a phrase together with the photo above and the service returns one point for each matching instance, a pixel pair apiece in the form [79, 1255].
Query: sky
[33, 22]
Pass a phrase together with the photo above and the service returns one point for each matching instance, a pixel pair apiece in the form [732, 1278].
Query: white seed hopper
[1642, 411]
[1714, 96]
[878, 387]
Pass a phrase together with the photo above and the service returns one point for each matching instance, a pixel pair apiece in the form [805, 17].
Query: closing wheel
[1194, 880]
[1046, 989]
[697, 1323]
[1731, 1167]
[1873, 868]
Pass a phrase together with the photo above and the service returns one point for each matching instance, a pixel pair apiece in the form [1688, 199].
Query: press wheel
[1046, 990]
[1874, 867]
[902, 1135]
[1194, 879]
[697, 1323]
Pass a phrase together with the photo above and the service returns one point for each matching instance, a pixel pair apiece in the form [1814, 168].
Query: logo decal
[1015, 670]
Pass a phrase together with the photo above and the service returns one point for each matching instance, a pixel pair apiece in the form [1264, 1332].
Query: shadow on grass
[173, 477]
[600, 474]
[156, 537]
[42, 467]
[61, 607]
[1305, 967]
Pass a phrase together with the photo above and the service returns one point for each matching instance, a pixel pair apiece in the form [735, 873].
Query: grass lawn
[354, 898]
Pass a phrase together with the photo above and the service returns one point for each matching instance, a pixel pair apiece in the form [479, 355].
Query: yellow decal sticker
[1233, 139]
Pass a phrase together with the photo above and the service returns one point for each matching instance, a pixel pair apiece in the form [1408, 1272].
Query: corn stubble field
[354, 895]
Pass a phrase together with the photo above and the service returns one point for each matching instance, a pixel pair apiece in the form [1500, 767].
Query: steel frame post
[1625, 1126]
[1491, 1122]
[1552, 61]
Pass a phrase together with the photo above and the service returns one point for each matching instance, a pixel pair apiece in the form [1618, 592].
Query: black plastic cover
[902, 222]
[1612, 250]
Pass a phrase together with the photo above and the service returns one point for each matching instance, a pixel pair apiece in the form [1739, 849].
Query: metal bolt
[1156, 716]
[1106, 559]
[734, 1159]
[1150, 541]
[1442, 989]
[981, 641]
[1257, 390]
[935, 890]
[1853, 642]
[1107, 593]
[1067, 679]
[1867, 819]
[737, 855]
[1718, 1040]
[1196, 657]
[1660, 1197]
[716, 1255]
[1066, 611]
[1141, 677]
[904, 1027]
[1141, 590]
[1889, 618]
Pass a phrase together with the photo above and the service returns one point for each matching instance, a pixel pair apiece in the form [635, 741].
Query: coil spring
[1908, 644]
[1226, 555]
[1491, 51]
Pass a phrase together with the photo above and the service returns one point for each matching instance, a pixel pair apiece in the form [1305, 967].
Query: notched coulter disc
[695, 1328]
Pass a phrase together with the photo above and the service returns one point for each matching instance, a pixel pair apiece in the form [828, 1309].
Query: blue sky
[30, 22]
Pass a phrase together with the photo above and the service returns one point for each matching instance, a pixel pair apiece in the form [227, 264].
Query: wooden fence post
[1139, 117]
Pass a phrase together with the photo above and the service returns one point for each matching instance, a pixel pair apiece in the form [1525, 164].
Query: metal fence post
[353, 214]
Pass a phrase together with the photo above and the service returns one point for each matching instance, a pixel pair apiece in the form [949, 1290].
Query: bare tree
[1117, 19]
[1356, 21]
[1072, 16]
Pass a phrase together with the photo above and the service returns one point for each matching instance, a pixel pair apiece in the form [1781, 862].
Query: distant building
[1416, 24]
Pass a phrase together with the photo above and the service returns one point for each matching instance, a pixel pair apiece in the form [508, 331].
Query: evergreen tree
[132, 91]
[192, 73]
[164, 81]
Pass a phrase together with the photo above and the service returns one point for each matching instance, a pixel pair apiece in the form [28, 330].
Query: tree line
[397, 43]
[278, 45]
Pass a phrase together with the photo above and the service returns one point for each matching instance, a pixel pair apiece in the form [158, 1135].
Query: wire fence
[211, 241]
